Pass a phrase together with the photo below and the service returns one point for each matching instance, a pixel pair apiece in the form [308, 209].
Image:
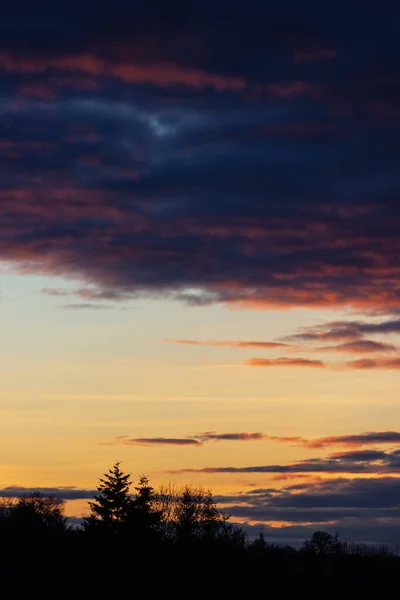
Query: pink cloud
[360, 347]
[385, 363]
[161, 74]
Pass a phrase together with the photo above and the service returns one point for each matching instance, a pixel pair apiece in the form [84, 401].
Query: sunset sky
[200, 255]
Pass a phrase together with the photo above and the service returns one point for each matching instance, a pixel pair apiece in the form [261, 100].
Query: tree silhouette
[113, 507]
[210, 517]
[6, 507]
[188, 513]
[36, 514]
[145, 495]
[196, 518]
[165, 504]
[259, 545]
[321, 543]
[146, 518]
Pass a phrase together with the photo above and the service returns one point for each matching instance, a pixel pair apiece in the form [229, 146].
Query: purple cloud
[143, 170]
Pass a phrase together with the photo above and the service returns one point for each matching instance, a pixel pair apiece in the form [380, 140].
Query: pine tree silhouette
[113, 507]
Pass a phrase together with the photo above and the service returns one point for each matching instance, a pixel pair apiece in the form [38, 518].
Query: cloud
[363, 461]
[157, 441]
[358, 494]
[360, 455]
[369, 438]
[154, 158]
[55, 292]
[348, 330]
[156, 73]
[288, 439]
[378, 363]
[87, 294]
[360, 509]
[241, 436]
[230, 343]
[360, 347]
[284, 362]
[65, 493]
[352, 440]
[87, 306]
[194, 440]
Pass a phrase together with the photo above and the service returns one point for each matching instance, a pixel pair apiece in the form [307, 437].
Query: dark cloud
[156, 441]
[353, 331]
[87, 294]
[363, 461]
[241, 436]
[360, 455]
[363, 510]
[66, 493]
[370, 438]
[340, 501]
[187, 151]
[195, 440]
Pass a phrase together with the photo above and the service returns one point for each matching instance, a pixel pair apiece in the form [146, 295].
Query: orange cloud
[378, 363]
[284, 362]
[369, 438]
[229, 343]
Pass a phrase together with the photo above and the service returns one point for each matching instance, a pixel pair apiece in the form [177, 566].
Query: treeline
[167, 540]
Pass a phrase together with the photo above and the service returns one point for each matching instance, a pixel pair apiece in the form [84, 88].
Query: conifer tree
[147, 518]
[113, 507]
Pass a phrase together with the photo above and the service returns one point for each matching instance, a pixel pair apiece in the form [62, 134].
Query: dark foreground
[90, 570]
[172, 543]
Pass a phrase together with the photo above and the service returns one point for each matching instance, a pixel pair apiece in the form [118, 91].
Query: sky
[200, 257]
